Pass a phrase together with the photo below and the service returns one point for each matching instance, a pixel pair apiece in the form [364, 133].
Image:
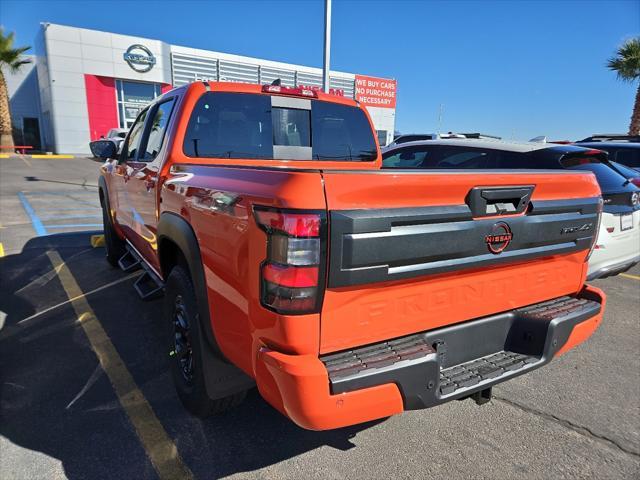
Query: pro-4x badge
[582, 228]
[499, 238]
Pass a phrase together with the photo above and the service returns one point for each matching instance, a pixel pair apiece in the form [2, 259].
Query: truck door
[141, 182]
[121, 172]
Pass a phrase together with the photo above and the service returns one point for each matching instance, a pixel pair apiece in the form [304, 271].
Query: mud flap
[221, 378]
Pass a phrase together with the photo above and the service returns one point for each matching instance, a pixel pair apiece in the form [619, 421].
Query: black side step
[148, 285]
[129, 261]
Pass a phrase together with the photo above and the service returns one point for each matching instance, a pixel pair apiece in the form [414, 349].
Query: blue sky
[516, 69]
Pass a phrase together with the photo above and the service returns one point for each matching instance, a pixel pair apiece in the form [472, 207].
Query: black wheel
[114, 245]
[183, 338]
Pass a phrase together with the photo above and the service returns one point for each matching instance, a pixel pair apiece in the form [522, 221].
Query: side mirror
[103, 149]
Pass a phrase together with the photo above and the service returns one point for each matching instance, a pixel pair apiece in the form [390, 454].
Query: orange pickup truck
[289, 260]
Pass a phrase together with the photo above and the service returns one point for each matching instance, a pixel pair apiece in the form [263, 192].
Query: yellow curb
[97, 241]
[1, 250]
[4, 155]
[53, 156]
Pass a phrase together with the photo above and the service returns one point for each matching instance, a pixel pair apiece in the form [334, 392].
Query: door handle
[489, 201]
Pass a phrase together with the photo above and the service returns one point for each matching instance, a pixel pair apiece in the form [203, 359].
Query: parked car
[618, 246]
[288, 259]
[626, 153]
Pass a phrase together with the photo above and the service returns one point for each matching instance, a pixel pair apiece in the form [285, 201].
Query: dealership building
[82, 83]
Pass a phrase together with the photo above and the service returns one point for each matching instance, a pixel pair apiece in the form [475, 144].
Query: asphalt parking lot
[85, 390]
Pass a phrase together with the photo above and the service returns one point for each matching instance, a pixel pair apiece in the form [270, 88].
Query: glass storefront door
[133, 97]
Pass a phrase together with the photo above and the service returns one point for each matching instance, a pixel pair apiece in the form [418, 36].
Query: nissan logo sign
[499, 238]
[139, 58]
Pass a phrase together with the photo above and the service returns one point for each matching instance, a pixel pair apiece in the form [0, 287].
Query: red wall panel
[101, 105]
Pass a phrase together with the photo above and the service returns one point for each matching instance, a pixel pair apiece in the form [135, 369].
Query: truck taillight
[292, 274]
[597, 232]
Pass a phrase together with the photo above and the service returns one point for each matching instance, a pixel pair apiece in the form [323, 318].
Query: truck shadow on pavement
[55, 398]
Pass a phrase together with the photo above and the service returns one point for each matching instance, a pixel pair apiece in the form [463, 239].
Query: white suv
[618, 246]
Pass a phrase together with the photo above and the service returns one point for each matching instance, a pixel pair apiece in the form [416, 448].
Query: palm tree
[626, 64]
[11, 59]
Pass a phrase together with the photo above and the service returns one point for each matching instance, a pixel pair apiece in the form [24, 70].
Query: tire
[183, 341]
[114, 245]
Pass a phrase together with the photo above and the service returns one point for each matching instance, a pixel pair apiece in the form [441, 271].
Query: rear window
[230, 125]
[236, 125]
[341, 132]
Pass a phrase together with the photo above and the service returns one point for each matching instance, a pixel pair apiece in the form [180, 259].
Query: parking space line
[35, 221]
[628, 275]
[160, 449]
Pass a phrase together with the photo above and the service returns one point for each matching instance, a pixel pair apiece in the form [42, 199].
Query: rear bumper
[425, 369]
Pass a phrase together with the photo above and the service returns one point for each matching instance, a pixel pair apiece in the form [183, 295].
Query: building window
[382, 137]
[133, 97]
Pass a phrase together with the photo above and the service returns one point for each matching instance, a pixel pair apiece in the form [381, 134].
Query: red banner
[376, 92]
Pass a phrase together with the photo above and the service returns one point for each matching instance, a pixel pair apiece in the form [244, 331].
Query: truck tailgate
[411, 251]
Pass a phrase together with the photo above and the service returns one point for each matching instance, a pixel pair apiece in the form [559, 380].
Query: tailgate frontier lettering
[431, 302]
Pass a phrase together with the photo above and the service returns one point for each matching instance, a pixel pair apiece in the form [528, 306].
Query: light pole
[327, 45]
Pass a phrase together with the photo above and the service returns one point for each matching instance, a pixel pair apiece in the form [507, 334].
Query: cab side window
[157, 129]
[135, 136]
